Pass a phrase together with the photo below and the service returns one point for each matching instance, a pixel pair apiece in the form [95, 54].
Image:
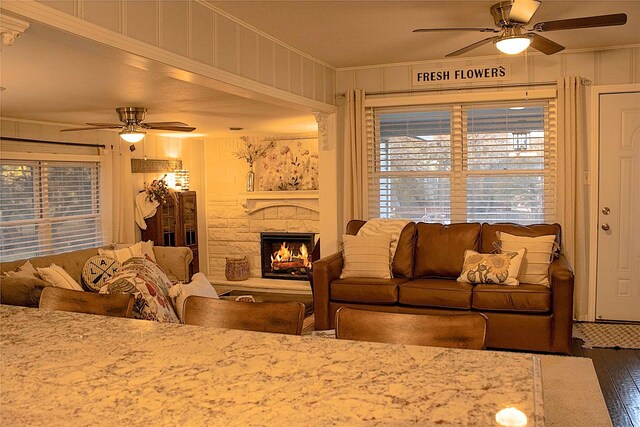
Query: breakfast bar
[60, 367]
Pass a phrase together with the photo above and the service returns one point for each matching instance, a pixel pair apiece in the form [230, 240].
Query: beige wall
[602, 67]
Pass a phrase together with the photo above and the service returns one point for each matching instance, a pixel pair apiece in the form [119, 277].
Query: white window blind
[490, 162]
[48, 207]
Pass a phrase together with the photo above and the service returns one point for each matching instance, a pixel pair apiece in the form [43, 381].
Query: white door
[618, 276]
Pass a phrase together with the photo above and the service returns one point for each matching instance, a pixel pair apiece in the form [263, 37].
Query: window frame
[459, 172]
[44, 220]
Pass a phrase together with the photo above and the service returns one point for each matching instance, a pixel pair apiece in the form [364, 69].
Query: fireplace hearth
[286, 255]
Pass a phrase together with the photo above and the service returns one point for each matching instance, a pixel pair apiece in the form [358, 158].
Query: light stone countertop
[61, 368]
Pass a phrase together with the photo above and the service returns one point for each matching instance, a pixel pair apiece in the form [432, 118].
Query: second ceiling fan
[511, 17]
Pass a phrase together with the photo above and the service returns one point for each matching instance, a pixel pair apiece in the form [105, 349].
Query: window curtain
[573, 202]
[122, 209]
[355, 156]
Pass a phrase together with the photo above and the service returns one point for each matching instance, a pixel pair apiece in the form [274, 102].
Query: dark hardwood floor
[619, 374]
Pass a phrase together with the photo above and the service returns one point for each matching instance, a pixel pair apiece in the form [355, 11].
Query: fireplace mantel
[258, 200]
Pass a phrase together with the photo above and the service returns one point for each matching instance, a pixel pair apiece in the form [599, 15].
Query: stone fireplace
[286, 255]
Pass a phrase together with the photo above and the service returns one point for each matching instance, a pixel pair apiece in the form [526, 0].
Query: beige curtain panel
[355, 156]
[573, 194]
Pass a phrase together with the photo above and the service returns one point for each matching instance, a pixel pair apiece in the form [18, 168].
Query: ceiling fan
[132, 125]
[510, 18]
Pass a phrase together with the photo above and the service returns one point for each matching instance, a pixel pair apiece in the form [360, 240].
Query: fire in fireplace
[286, 255]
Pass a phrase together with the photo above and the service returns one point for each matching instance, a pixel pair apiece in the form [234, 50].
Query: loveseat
[15, 290]
[427, 262]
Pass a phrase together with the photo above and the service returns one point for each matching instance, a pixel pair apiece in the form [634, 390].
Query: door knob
[605, 227]
[606, 211]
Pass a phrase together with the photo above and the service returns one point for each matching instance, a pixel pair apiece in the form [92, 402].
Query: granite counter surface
[62, 368]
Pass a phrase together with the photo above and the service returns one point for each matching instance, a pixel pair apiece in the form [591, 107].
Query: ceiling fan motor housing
[131, 115]
[501, 13]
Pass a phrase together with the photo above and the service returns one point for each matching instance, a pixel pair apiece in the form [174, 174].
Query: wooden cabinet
[176, 226]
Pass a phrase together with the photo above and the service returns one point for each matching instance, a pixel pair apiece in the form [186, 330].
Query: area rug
[607, 335]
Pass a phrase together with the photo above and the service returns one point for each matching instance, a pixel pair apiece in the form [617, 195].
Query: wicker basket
[237, 269]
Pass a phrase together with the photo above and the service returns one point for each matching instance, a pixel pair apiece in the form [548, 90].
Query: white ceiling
[354, 33]
[55, 77]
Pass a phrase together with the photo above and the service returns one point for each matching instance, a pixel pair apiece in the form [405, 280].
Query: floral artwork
[253, 151]
[289, 166]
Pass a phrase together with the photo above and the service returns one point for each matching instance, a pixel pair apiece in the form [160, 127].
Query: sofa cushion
[21, 290]
[366, 256]
[442, 293]
[489, 236]
[146, 280]
[402, 264]
[523, 298]
[500, 268]
[440, 248]
[535, 267]
[361, 290]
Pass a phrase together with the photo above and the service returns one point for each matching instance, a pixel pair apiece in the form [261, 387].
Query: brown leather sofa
[426, 264]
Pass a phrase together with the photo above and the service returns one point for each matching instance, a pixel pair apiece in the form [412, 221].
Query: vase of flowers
[251, 152]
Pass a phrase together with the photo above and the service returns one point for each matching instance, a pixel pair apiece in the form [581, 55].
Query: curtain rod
[585, 82]
[79, 144]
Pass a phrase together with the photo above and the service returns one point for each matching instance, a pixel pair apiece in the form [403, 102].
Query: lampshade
[513, 45]
[132, 136]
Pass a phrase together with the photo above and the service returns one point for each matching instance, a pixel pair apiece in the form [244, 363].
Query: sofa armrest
[561, 282]
[325, 270]
[174, 261]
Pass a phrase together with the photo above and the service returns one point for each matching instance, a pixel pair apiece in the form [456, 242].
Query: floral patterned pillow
[492, 268]
[149, 284]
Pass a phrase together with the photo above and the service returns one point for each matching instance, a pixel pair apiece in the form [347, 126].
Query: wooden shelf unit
[176, 227]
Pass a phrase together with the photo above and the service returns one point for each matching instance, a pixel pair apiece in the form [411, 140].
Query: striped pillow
[535, 266]
[366, 256]
[122, 255]
[59, 278]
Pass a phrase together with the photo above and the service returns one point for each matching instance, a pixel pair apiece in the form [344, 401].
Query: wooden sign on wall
[427, 75]
[154, 166]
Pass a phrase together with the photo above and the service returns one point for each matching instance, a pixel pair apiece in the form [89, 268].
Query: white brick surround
[231, 230]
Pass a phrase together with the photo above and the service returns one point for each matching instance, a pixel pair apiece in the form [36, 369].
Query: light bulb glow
[132, 137]
[513, 45]
[511, 417]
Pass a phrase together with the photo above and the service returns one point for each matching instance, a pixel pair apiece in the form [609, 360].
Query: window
[463, 162]
[48, 207]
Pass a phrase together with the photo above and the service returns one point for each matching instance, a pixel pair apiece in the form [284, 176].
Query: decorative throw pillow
[97, 270]
[59, 278]
[26, 269]
[535, 268]
[145, 247]
[366, 256]
[124, 254]
[492, 268]
[149, 284]
[21, 289]
[198, 286]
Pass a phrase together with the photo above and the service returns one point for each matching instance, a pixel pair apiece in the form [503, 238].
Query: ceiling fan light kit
[133, 126]
[510, 18]
[132, 136]
[512, 45]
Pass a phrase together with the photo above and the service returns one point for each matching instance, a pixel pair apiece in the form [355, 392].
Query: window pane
[416, 141]
[72, 189]
[420, 199]
[48, 208]
[18, 199]
[505, 138]
[517, 199]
